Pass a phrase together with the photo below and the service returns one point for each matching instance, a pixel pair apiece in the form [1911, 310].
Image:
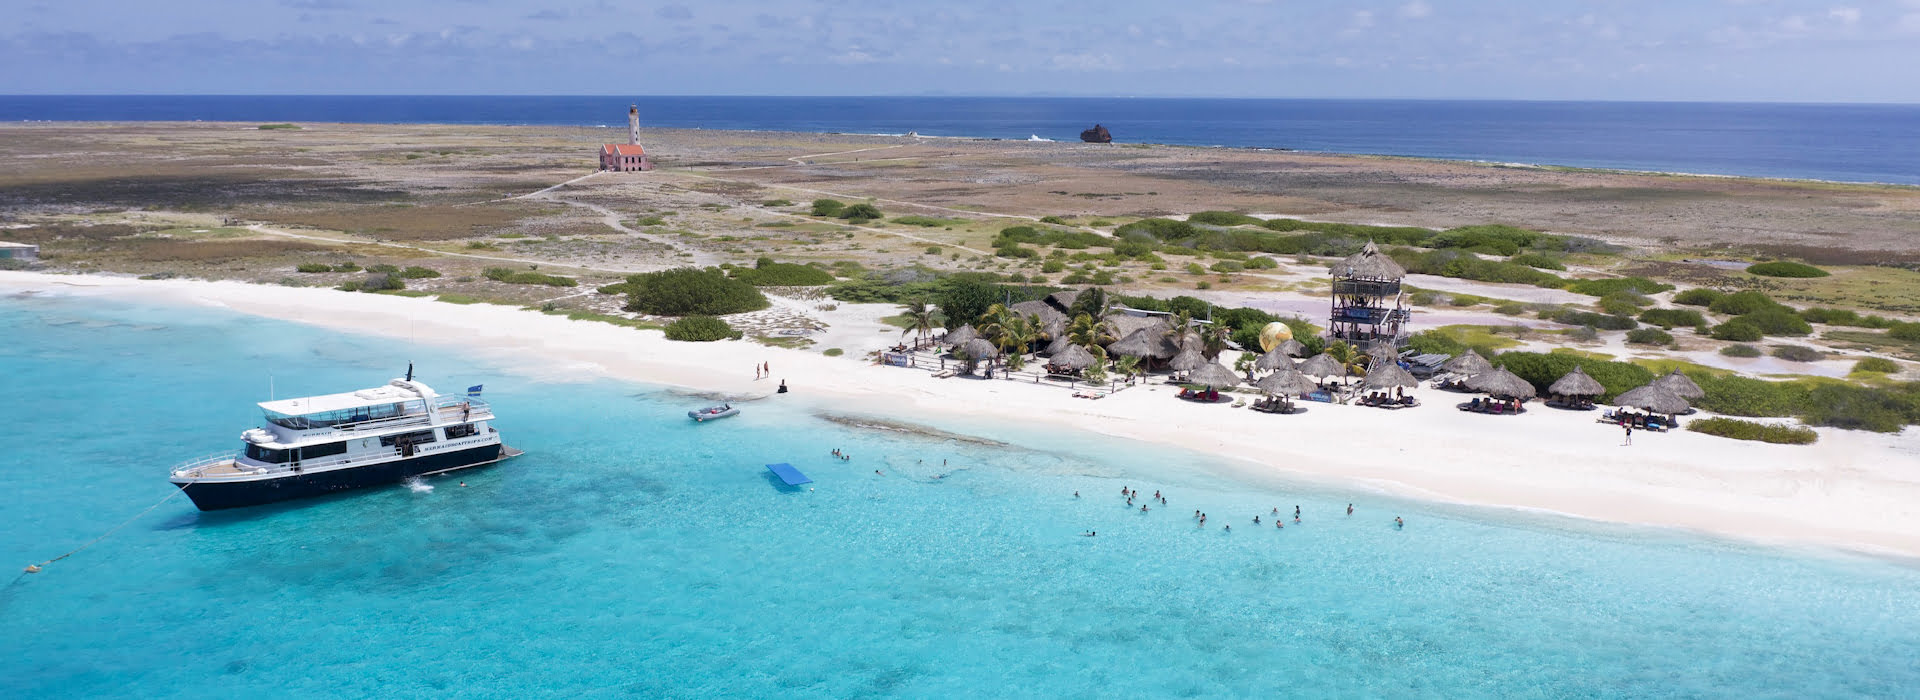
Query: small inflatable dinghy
[712, 412]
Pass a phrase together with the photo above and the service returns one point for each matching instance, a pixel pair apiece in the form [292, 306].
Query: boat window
[327, 419]
[326, 450]
[460, 431]
[418, 437]
[269, 455]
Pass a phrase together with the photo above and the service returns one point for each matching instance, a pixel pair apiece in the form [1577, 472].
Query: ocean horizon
[1862, 143]
[631, 552]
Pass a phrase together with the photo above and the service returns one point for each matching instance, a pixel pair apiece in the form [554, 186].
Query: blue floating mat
[788, 474]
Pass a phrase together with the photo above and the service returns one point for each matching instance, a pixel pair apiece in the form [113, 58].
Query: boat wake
[418, 485]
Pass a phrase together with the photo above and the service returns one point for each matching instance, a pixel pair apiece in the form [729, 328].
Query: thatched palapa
[1576, 383]
[1501, 383]
[1187, 361]
[1287, 381]
[1290, 348]
[1382, 353]
[1681, 385]
[1274, 359]
[1125, 324]
[1322, 365]
[1468, 363]
[1369, 262]
[1074, 357]
[1655, 397]
[1058, 345]
[1389, 376]
[959, 336]
[1146, 342]
[979, 349]
[1215, 375]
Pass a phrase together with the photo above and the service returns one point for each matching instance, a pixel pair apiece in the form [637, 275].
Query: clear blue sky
[1775, 50]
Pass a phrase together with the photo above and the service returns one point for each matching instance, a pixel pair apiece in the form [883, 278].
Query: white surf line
[348, 241]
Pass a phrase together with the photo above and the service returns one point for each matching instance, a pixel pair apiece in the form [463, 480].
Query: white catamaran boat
[322, 444]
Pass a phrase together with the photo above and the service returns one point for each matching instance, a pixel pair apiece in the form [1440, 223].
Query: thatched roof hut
[1576, 383]
[1145, 342]
[1074, 357]
[1125, 324]
[1655, 397]
[1369, 262]
[1382, 353]
[1045, 311]
[1188, 360]
[1468, 363]
[1215, 375]
[1286, 381]
[1290, 348]
[1274, 359]
[959, 336]
[1058, 345]
[1388, 376]
[1321, 365]
[978, 349]
[1502, 383]
[1681, 385]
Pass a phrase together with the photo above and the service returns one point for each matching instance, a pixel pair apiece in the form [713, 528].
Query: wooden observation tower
[1369, 304]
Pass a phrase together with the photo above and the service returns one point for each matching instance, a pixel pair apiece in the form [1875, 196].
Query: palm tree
[1348, 358]
[1090, 333]
[1009, 330]
[919, 318]
[1180, 329]
[1127, 365]
[1213, 340]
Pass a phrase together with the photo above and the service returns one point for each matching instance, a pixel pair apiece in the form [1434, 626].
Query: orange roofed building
[626, 157]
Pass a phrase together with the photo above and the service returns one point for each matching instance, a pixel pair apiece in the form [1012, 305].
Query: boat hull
[221, 495]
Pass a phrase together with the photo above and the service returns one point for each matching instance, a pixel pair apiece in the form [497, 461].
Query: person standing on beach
[1629, 426]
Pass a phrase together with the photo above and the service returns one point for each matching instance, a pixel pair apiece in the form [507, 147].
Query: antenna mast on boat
[409, 371]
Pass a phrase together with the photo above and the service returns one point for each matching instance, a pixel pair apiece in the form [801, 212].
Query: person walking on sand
[1629, 426]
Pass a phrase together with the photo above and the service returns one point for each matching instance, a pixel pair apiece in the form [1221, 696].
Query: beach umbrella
[1287, 381]
[1058, 345]
[1290, 348]
[959, 336]
[1074, 357]
[1681, 385]
[1214, 374]
[1468, 363]
[979, 349]
[1187, 361]
[1274, 359]
[1382, 353]
[1321, 366]
[1144, 342]
[1501, 382]
[1389, 376]
[1654, 397]
[1576, 383]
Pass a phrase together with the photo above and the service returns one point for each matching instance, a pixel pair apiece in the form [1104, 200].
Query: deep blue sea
[1843, 142]
[632, 554]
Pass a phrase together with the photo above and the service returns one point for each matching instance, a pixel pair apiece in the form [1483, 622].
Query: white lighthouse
[626, 157]
[633, 125]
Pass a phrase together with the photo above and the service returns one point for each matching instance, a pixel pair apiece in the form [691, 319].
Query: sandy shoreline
[1853, 490]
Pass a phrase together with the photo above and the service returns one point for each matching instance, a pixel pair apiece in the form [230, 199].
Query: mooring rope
[36, 568]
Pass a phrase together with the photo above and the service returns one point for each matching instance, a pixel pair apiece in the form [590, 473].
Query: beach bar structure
[1369, 301]
[25, 252]
[626, 157]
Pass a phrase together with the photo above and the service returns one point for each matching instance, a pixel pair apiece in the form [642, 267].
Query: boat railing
[199, 463]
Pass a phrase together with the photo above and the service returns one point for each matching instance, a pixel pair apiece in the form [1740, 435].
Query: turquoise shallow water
[631, 554]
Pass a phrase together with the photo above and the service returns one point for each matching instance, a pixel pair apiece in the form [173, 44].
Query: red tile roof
[623, 149]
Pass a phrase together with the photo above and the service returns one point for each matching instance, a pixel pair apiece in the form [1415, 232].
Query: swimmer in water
[1276, 511]
[1398, 523]
[1349, 509]
[1076, 494]
[1143, 509]
[876, 471]
[1256, 520]
[1296, 520]
[1277, 525]
[1088, 533]
[1228, 528]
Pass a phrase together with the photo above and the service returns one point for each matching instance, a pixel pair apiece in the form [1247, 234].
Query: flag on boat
[474, 390]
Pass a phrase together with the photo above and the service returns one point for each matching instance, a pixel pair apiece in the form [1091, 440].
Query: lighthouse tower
[626, 157]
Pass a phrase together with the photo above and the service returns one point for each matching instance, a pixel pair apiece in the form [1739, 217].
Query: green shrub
[1610, 285]
[1740, 350]
[1649, 336]
[1623, 303]
[416, 273]
[1738, 330]
[833, 352]
[1261, 262]
[382, 282]
[828, 207]
[1777, 321]
[777, 203]
[346, 267]
[1798, 353]
[1052, 266]
[1735, 395]
[1749, 430]
[1876, 365]
[1228, 266]
[314, 267]
[1785, 269]
[691, 292]
[510, 276]
[1836, 317]
[1074, 240]
[1538, 260]
[700, 329]
[1697, 297]
[767, 273]
[283, 126]
[1672, 318]
[1904, 331]
[1863, 408]
[1606, 322]
[1055, 220]
[1494, 239]
[1742, 303]
[654, 220]
[860, 212]
[1510, 309]
[1543, 369]
[1223, 218]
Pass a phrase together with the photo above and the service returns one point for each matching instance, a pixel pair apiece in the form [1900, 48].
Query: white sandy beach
[1853, 490]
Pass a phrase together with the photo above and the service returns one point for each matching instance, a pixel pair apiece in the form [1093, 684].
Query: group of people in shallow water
[1200, 518]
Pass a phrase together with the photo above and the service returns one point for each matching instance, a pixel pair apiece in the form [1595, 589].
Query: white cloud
[1846, 15]
[1416, 9]
[1083, 62]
